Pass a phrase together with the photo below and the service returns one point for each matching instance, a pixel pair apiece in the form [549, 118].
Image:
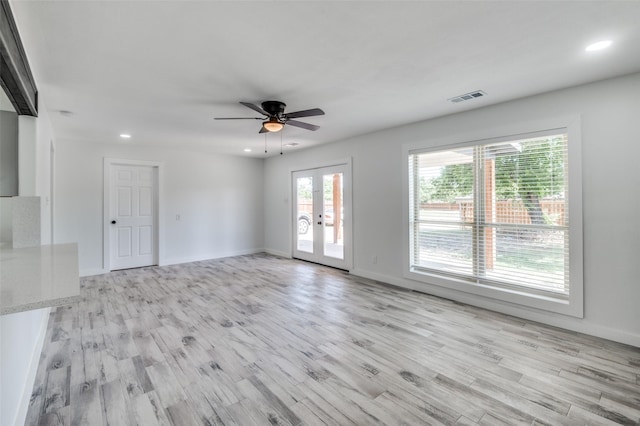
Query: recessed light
[598, 46]
[247, 150]
[292, 144]
[125, 136]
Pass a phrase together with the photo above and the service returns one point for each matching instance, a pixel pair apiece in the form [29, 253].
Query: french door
[322, 215]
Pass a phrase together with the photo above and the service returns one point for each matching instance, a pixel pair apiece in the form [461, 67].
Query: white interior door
[133, 216]
[322, 216]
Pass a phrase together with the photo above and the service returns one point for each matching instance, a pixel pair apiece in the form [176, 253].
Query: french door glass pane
[332, 215]
[304, 213]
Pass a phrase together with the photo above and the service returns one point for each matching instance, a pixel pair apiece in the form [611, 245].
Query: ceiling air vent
[468, 96]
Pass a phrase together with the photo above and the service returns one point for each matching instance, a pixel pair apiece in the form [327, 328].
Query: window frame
[571, 305]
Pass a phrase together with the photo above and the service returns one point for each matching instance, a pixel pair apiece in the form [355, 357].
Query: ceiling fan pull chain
[281, 141]
[265, 143]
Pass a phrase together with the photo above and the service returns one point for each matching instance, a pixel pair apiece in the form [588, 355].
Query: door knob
[113, 222]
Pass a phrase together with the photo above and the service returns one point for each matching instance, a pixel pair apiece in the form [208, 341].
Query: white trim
[561, 321]
[52, 188]
[23, 408]
[210, 256]
[278, 253]
[177, 261]
[575, 306]
[321, 164]
[92, 272]
[159, 240]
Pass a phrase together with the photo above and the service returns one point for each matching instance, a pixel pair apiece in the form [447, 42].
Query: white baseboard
[92, 272]
[531, 314]
[278, 253]
[177, 261]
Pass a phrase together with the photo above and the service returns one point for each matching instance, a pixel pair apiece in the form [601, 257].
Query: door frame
[348, 214]
[52, 187]
[158, 245]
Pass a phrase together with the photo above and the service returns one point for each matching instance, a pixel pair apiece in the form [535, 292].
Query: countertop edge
[50, 303]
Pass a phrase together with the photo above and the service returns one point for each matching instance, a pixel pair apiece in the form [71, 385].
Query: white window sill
[571, 307]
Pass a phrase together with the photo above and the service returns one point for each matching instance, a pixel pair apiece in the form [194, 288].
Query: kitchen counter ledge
[38, 277]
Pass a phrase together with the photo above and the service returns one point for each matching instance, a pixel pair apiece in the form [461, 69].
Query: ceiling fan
[276, 118]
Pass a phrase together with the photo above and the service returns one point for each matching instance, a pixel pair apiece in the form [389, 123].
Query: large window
[494, 214]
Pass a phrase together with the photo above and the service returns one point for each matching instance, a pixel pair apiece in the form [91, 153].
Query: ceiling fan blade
[263, 130]
[302, 125]
[255, 108]
[238, 118]
[305, 113]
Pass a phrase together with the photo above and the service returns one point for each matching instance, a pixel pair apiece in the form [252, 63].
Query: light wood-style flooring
[261, 340]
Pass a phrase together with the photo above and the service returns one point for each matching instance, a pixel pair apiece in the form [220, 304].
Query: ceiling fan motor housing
[274, 108]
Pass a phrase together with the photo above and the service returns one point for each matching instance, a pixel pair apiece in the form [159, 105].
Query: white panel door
[322, 216]
[133, 211]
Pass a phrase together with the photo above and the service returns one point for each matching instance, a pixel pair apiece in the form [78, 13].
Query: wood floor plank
[84, 362]
[164, 382]
[410, 414]
[219, 385]
[207, 409]
[588, 417]
[146, 346]
[59, 417]
[273, 401]
[181, 414]
[326, 395]
[260, 407]
[424, 389]
[241, 416]
[323, 409]
[129, 379]
[258, 339]
[431, 406]
[86, 406]
[310, 417]
[58, 389]
[113, 404]
[145, 409]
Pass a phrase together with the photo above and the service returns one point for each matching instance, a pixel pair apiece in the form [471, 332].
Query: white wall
[21, 339]
[219, 200]
[27, 155]
[6, 220]
[609, 112]
[45, 137]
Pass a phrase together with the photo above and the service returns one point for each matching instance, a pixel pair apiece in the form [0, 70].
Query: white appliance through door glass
[322, 220]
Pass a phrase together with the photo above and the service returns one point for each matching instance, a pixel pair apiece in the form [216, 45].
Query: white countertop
[38, 277]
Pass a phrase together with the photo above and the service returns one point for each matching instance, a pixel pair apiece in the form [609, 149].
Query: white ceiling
[162, 70]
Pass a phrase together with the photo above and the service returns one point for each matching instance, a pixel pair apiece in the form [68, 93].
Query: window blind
[494, 213]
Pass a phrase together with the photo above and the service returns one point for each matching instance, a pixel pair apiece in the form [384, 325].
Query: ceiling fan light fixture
[272, 125]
